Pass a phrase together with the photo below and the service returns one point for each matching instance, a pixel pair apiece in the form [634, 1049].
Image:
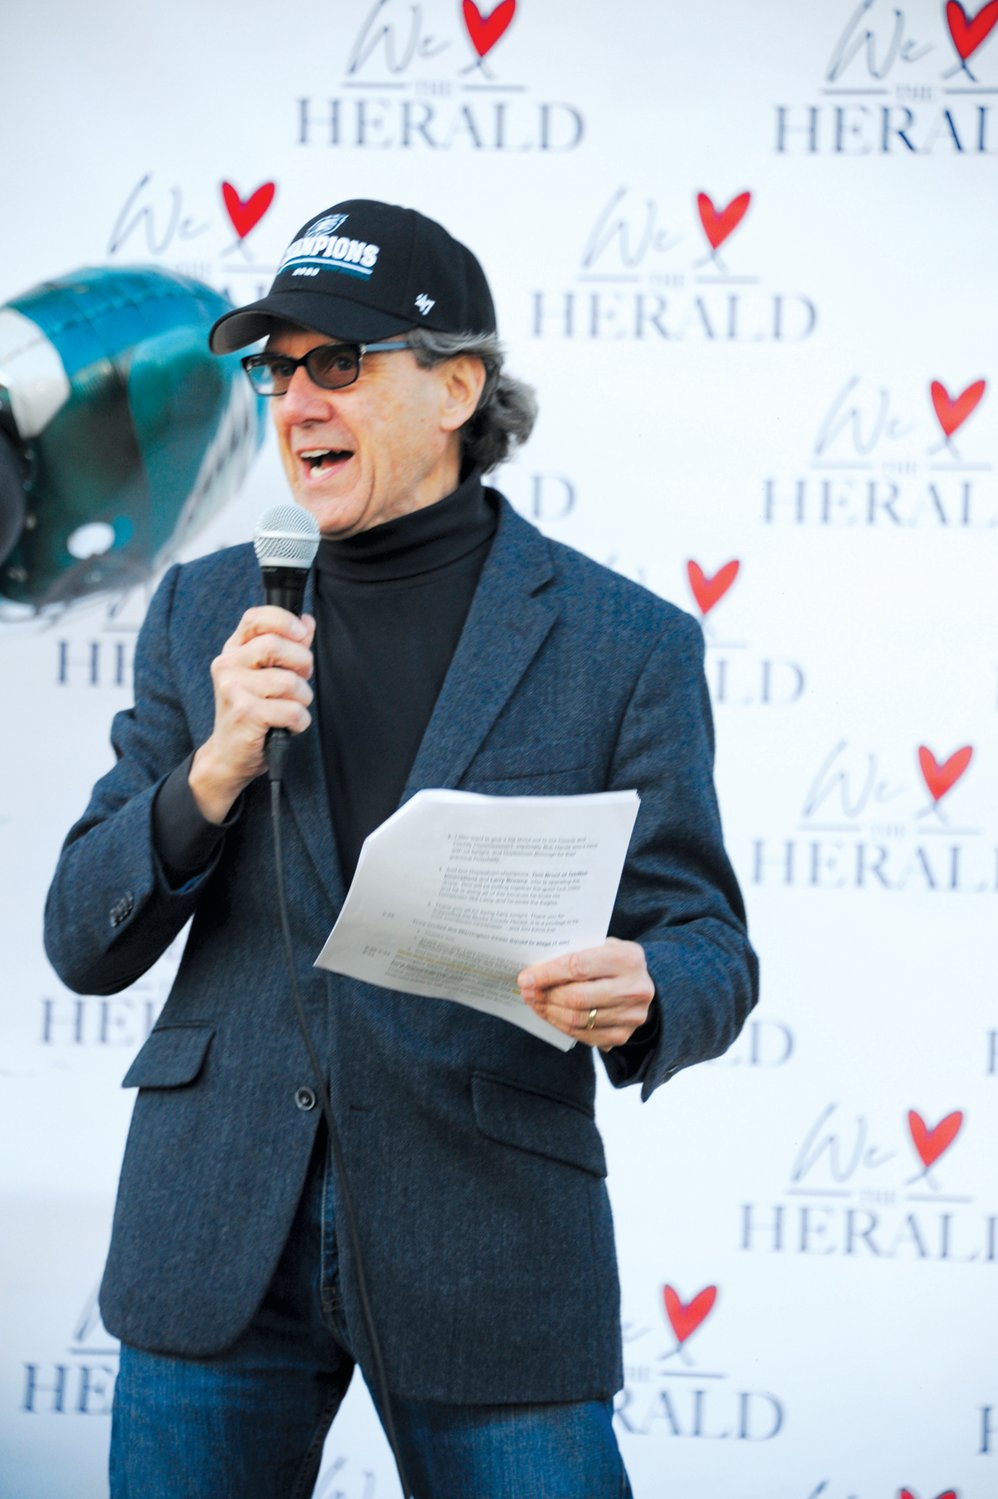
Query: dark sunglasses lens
[334, 365]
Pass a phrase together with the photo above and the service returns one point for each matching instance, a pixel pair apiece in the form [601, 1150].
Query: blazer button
[122, 909]
[305, 1099]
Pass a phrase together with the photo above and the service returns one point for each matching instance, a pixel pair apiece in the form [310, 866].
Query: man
[455, 646]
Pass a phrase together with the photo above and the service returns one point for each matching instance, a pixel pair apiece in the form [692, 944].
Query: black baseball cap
[363, 271]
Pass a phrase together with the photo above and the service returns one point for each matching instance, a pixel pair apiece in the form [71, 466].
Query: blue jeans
[249, 1423]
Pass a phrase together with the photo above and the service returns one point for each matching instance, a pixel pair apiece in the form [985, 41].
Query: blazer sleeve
[678, 897]
[111, 909]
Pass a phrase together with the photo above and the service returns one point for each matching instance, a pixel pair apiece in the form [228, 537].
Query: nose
[304, 400]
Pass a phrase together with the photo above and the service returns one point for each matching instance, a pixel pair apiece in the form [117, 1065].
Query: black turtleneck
[390, 604]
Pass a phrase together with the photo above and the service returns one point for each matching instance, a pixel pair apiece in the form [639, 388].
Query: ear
[462, 380]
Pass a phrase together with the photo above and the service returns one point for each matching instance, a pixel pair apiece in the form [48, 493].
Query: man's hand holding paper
[600, 996]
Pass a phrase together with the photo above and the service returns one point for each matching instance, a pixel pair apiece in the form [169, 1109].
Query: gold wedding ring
[592, 1019]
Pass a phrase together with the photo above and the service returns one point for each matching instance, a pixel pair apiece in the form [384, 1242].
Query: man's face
[378, 449]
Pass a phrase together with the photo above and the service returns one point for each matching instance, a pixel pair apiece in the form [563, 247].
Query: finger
[262, 651]
[574, 1007]
[596, 1019]
[606, 1033]
[609, 958]
[248, 703]
[617, 1030]
[566, 1003]
[580, 996]
[268, 619]
[569, 968]
[244, 733]
[272, 683]
[284, 713]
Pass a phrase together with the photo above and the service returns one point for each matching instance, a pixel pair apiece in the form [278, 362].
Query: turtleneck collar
[421, 542]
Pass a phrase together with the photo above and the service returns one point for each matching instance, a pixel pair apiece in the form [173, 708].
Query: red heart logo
[952, 414]
[719, 223]
[931, 1143]
[247, 213]
[968, 34]
[710, 591]
[939, 778]
[485, 31]
[910, 1494]
[685, 1317]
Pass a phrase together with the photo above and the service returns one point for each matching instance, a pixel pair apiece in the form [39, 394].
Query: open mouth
[318, 459]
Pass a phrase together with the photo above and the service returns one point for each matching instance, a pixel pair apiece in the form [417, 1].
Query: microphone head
[286, 536]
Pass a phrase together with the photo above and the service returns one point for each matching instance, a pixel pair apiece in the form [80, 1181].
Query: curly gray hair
[507, 408]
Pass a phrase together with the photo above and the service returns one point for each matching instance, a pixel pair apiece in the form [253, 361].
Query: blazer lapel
[508, 621]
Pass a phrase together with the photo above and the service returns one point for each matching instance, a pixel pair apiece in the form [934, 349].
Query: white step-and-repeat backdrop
[746, 251]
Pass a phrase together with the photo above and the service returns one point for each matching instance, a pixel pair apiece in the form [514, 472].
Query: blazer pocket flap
[510, 761]
[538, 1122]
[172, 1056]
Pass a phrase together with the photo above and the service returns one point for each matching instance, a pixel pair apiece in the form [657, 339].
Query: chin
[334, 520]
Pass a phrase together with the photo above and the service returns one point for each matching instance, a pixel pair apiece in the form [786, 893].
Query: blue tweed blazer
[475, 1164]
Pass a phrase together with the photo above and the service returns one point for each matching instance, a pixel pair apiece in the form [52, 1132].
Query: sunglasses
[331, 366]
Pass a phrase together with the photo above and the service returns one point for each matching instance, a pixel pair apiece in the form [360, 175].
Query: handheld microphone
[286, 540]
